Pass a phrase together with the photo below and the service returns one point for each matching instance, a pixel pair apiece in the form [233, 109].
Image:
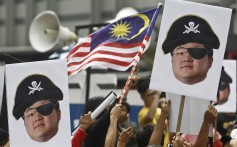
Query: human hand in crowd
[7, 145]
[230, 127]
[187, 144]
[165, 107]
[233, 142]
[86, 121]
[116, 111]
[210, 115]
[216, 137]
[177, 140]
[161, 102]
[125, 136]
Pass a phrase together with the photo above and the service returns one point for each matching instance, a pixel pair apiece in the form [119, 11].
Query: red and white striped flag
[118, 45]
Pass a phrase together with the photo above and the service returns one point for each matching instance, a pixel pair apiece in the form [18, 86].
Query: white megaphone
[46, 32]
[126, 11]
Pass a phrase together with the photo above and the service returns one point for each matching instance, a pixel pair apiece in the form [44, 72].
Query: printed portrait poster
[38, 104]
[230, 105]
[2, 69]
[195, 31]
[193, 114]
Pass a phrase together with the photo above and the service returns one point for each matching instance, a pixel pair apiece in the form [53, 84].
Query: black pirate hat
[225, 77]
[32, 89]
[190, 28]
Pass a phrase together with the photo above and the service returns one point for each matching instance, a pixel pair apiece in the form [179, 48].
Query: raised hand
[178, 140]
[125, 136]
[210, 115]
[86, 121]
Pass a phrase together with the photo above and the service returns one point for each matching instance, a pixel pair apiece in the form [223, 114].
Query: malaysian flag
[118, 45]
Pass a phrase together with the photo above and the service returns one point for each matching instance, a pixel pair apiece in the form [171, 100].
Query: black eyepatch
[45, 109]
[197, 53]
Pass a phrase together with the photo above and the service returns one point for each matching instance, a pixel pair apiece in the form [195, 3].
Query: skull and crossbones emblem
[191, 28]
[35, 87]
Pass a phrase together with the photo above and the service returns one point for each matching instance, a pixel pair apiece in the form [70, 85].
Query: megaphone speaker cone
[46, 32]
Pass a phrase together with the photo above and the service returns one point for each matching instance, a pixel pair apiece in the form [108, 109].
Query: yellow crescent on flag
[146, 24]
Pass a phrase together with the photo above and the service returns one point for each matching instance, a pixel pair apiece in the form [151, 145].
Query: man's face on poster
[191, 40]
[41, 120]
[191, 63]
[223, 93]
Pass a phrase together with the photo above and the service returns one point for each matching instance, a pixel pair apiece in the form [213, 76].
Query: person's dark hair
[97, 133]
[143, 84]
[93, 103]
[225, 139]
[163, 95]
[3, 137]
[143, 135]
[126, 105]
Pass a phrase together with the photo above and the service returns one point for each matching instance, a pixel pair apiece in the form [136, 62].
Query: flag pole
[126, 86]
[149, 31]
[180, 113]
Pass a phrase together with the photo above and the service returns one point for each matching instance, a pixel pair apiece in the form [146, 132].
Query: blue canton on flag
[117, 46]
